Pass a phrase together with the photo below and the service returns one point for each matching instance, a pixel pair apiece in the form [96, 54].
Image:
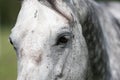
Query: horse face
[47, 47]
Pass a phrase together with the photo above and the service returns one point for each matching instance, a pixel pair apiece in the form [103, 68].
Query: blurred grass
[8, 70]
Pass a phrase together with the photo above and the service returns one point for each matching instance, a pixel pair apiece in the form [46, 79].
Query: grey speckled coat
[87, 49]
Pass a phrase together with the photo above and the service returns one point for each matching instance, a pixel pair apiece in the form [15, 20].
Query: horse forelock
[59, 6]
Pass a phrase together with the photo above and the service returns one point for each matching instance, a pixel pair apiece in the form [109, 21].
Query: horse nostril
[10, 40]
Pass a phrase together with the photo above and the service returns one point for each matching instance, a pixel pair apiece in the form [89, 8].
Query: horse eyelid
[64, 34]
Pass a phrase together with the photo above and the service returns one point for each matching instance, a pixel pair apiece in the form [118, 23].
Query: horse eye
[63, 39]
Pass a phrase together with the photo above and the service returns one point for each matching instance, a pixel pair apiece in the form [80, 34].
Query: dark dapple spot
[37, 57]
[60, 75]
[21, 54]
[24, 33]
[32, 31]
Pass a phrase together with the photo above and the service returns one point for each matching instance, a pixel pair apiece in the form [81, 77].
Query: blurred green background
[8, 13]
[8, 64]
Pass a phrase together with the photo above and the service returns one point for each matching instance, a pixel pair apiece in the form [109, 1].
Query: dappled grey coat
[87, 49]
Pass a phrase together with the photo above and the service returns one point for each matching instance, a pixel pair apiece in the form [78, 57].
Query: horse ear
[62, 8]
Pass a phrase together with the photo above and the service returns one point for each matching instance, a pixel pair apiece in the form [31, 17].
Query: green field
[8, 68]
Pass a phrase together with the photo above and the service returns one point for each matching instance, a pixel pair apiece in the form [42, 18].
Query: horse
[113, 7]
[66, 40]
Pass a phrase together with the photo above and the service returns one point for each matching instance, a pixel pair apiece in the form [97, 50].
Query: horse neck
[96, 42]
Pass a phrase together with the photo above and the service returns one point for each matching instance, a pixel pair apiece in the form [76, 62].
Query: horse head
[49, 43]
